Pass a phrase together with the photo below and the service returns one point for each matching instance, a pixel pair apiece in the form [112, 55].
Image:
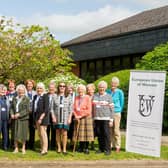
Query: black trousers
[11, 126]
[103, 134]
[51, 133]
[71, 129]
[31, 132]
[5, 135]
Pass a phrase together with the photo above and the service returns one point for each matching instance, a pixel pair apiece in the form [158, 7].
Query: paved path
[85, 164]
[165, 140]
[89, 164]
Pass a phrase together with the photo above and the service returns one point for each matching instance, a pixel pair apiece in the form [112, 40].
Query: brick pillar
[76, 69]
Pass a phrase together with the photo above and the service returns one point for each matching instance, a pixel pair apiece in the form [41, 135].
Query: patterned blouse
[62, 108]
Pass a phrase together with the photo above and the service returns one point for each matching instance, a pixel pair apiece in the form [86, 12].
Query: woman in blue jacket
[117, 96]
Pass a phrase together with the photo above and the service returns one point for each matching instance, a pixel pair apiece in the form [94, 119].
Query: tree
[158, 60]
[30, 52]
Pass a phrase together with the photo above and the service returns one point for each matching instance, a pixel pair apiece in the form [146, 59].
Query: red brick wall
[76, 69]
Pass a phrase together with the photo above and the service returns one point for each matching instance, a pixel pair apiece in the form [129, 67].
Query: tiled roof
[144, 20]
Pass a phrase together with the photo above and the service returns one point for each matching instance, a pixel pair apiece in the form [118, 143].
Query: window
[91, 71]
[126, 62]
[116, 62]
[136, 59]
[92, 67]
[107, 66]
[83, 69]
[99, 67]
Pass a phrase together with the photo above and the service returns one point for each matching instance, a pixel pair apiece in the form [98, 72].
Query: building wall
[97, 58]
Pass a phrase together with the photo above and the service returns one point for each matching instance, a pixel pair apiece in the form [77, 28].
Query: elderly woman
[40, 118]
[72, 94]
[103, 116]
[83, 114]
[61, 110]
[117, 96]
[20, 115]
[90, 91]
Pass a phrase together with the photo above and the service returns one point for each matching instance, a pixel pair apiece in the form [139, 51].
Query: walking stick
[76, 136]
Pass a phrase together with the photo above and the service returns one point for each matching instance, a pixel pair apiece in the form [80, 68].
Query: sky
[67, 19]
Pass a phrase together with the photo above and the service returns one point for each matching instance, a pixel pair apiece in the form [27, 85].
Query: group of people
[61, 113]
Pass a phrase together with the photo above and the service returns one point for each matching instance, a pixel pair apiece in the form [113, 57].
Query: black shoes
[99, 151]
[86, 151]
[80, 150]
[5, 148]
[107, 153]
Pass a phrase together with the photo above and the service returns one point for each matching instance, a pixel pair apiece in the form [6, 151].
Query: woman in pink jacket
[83, 114]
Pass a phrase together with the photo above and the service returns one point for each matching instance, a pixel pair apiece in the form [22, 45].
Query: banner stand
[145, 112]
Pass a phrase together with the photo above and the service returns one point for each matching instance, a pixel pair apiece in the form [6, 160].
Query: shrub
[68, 78]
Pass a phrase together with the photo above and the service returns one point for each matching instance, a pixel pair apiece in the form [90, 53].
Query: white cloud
[75, 25]
[151, 3]
[68, 26]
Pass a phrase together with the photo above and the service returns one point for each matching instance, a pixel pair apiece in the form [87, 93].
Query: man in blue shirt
[117, 96]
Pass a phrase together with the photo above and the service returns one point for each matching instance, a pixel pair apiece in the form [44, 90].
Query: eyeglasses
[62, 86]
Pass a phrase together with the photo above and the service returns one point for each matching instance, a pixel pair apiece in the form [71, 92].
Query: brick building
[119, 45]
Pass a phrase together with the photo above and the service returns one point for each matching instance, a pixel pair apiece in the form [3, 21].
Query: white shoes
[16, 150]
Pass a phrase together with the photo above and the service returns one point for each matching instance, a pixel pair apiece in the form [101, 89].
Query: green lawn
[53, 155]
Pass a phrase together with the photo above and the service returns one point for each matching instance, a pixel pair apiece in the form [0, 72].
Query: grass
[53, 155]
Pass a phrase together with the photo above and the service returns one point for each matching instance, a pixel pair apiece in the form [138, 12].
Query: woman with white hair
[83, 115]
[19, 112]
[103, 116]
[117, 96]
[40, 118]
[90, 91]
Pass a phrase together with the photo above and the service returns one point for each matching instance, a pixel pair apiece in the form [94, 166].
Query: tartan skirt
[85, 131]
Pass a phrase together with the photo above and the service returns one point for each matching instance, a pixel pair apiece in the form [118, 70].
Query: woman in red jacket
[83, 114]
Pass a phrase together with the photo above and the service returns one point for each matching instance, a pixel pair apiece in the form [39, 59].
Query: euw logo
[146, 105]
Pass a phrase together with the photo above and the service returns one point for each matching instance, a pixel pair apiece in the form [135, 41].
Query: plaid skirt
[85, 132]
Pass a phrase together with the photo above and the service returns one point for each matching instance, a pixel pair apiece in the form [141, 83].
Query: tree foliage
[158, 60]
[30, 52]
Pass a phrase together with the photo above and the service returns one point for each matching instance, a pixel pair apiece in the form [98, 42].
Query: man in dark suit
[47, 105]
[4, 116]
[30, 84]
